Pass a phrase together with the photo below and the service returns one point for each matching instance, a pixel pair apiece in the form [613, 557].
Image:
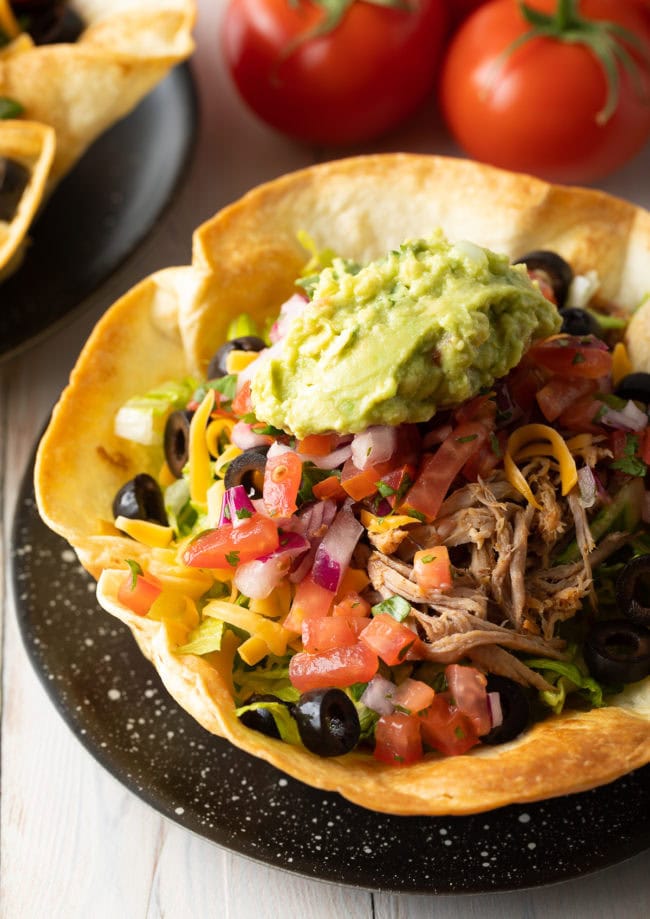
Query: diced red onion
[277, 449]
[494, 705]
[335, 551]
[303, 567]
[374, 445]
[313, 519]
[377, 695]
[244, 437]
[288, 312]
[383, 508]
[587, 485]
[507, 410]
[603, 494]
[236, 500]
[631, 418]
[330, 460]
[258, 578]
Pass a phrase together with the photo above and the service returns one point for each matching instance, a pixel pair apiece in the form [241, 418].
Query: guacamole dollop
[425, 327]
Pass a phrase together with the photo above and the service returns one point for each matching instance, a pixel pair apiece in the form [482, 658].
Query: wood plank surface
[74, 841]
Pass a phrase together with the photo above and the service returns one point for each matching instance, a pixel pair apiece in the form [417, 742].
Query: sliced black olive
[576, 321]
[46, 20]
[261, 719]
[633, 590]
[140, 499]
[515, 708]
[13, 182]
[635, 386]
[177, 441]
[217, 366]
[555, 269]
[247, 469]
[328, 722]
[618, 651]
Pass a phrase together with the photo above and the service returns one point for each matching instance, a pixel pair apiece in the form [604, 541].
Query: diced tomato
[573, 356]
[242, 404]
[467, 688]
[545, 287]
[617, 441]
[282, 476]
[559, 393]
[139, 596]
[316, 444]
[324, 632]
[413, 695]
[329, 488]
[398, 482]
[388, 638]
[227, 546]
[338, 667]
[581, 416]
[432, 569]
[359, 483]
[523, 383]
[480, 408]
[439, 470]
[352, 605]
[310, 601]
[445, 728]
[397, 739]
[487, 458]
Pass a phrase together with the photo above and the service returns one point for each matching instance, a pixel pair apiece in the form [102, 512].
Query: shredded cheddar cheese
[275, 635]
[621, 363]
[236, 361]
[376, 524]
[200, 465]
[538, 440]
[144, 531]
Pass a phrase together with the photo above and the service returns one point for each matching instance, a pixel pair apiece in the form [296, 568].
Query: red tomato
[388, 638]
[644, 439]
[330, 488]
[573, 356]
[467, 688]
[227, 546]
[346, 84]
[320, 633]
[282, 475]
[431, 568]
[397, 739]
[446, 728]
[338, 667]
[398, 482]
[581, 416]
[487, 458]
[413, 695]
[352, 605]
[559, 393]
[359, 483]
[139, 597]
[459, 10]
[437, 472]
[310, 601]
[241, 404]
[316, 444]
[541, 108]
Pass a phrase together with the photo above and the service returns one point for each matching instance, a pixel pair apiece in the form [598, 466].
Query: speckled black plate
[99, 213]
[114, 702]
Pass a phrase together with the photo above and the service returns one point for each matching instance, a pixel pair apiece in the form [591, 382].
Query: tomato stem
[607, 41]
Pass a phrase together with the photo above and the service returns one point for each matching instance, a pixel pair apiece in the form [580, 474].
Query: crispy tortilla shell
[81, 88]
[245, 260]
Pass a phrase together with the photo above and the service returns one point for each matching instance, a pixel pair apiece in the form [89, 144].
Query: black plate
[99, 213]
[114, 702]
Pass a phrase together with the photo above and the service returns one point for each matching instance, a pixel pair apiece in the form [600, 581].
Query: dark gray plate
[114, 702]
[99, 213]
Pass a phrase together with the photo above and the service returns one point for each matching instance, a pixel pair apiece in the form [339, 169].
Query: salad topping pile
[406, 588]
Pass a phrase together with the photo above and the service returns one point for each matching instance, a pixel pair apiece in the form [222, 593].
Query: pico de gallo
[416, 589]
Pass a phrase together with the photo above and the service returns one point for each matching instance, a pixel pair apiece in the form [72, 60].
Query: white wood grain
[74, 842]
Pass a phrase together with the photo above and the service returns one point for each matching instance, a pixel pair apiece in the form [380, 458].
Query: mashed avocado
[426, 326]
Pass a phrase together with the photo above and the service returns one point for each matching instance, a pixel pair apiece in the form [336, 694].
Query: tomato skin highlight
[282, 476]
[560, 393]
[432, 569]
[337, 667]
[351, 84]
[537, 111]
[229, 546]
[467, 688]
[397, 739]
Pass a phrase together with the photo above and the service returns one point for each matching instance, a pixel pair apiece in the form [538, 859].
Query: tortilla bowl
[246, 260]
[77, 90]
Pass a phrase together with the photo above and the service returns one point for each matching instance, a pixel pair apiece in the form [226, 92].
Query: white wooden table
[76, 843]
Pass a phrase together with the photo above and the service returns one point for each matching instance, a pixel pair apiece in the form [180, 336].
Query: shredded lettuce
[284, 720]
[204, 638]
[566, 678]
[181, 514]
[242, 325]
[142, 418]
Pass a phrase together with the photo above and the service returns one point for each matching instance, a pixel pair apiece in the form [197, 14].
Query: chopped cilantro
[233, 559]
[631, 465]
[243, 513]
[578, 358]
[136, 571]
[466, 440]
[427, 559]
[385, 490]
[496, 446]
[396, 606]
